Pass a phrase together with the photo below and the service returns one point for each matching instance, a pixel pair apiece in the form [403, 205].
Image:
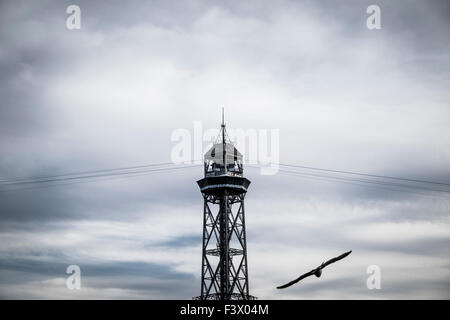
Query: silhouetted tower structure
[224, 254]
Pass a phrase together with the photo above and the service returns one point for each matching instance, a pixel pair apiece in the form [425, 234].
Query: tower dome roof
[215, 153]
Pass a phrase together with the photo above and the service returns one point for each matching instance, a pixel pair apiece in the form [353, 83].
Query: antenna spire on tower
[224, 152]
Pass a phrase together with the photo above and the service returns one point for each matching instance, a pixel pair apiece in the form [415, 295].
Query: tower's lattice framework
[224, 253]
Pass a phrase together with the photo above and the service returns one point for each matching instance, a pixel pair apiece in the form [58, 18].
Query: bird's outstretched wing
[323, 265]
[342, 256]
[303, 276]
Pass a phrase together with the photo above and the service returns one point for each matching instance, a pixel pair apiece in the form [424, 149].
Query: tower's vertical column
[244, 246]
[224, 247]
[205, 241]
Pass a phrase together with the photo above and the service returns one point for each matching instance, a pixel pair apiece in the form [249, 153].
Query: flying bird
[317, 271]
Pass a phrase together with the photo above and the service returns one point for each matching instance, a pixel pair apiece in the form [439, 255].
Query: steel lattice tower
[224, 253]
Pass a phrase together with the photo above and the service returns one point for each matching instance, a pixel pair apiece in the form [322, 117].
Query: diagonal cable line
[86, 174]
[366, 174]
[83, 173]
[365, 181]
[380, 183]
[388, 183]
[99, 178]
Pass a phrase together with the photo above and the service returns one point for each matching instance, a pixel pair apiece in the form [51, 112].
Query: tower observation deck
[224, 252]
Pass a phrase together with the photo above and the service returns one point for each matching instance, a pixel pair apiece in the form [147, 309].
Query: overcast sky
[112, 93]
